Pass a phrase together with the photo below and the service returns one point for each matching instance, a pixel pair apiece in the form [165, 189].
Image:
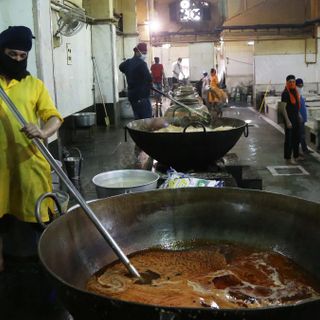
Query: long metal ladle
[114, 246]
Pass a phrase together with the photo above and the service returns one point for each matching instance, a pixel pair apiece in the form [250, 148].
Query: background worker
[291, 98]
[216, 96]
[205, 88]
[139, 82]
[158, 81]
[176, 71]
[303, 117]
[24, 173]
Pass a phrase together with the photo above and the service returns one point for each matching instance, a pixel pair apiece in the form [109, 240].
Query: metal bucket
[84, 119]
[55, 178]
[115, 182]
[73, 164]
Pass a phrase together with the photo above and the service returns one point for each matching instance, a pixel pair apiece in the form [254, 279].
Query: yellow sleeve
[45, 107]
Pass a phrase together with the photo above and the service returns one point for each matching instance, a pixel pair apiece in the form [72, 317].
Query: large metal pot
[71, 249]
[188, 149]
[84, 119]
[115, 182]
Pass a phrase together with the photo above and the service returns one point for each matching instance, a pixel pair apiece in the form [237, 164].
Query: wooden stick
[264, 97]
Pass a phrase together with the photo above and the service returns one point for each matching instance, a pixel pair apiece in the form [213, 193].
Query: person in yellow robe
[216, 96]
[24, 173]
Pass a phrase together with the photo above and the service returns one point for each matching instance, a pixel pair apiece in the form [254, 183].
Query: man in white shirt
[177, 69]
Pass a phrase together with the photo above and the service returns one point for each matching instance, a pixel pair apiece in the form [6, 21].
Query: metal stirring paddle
[205, 117]
[45, 152]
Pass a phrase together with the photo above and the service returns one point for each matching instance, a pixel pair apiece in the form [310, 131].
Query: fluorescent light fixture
[250, 43]
[166, 45]
[154, 25]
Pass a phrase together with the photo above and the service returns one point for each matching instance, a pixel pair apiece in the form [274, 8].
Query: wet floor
[264, 148]
[106, 149]
[24, 291]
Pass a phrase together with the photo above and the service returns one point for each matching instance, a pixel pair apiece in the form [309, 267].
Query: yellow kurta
[24, 173]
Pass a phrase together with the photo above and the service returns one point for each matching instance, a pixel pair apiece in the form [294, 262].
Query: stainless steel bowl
[84, 119]
[115, 182]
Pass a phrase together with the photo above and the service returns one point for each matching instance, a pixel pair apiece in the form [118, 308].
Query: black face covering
[11, 68]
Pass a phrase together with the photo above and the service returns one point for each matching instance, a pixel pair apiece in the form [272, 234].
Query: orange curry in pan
[213, 276]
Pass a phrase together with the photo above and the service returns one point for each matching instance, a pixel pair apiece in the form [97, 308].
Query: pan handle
[38, 207]
[194, 123]
[246, 130]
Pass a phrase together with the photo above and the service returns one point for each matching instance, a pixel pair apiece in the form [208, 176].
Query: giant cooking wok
[187, 149]
[71, 249]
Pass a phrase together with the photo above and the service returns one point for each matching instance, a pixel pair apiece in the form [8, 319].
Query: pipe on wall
[270, 26]
[315, 37]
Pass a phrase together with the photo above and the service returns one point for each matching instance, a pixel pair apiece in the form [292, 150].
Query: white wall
[239, 64]
[73, 82]
[202, 58]
[289, 59]
[104, 51]
[275, 68]
[168, 56]
[70, 84]
[42, 16]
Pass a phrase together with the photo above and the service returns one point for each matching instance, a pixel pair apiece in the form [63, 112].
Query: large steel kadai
[71, 249]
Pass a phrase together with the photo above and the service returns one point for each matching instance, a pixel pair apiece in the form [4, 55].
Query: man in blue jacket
[139, 82]
[303, 118]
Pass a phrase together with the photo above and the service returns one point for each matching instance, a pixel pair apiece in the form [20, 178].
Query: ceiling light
[250, 43]
[185, 4]
[166, 45]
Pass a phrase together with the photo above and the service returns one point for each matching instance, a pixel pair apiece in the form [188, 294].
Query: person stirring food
[24, 172]
[139, 82]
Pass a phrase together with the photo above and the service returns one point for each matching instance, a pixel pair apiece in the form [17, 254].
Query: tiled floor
[105, 149]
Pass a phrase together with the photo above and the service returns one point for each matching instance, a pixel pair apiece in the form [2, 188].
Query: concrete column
[130, 33]
[99, 9]
[129, 13]
[44, 59]
[143, 20]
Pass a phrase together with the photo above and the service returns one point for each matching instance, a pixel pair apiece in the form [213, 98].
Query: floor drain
[287, 170]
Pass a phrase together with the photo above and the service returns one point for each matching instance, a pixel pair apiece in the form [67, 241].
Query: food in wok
[179, 129]
[211, 276]
[168, 217]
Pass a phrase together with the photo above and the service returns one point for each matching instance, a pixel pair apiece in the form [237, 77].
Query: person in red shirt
[158, 78]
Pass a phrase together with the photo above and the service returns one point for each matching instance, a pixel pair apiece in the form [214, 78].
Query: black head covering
[17, 38]
[290, 77]
[299, 82]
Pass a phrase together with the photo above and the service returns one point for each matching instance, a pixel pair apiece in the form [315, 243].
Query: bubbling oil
[210, 276]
